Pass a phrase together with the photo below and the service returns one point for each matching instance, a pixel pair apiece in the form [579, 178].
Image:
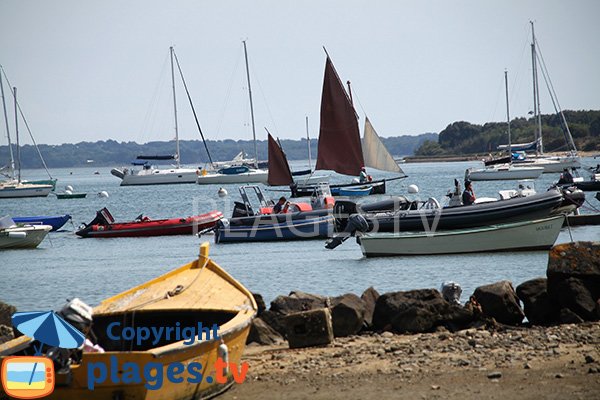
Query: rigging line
[255, 76]
[151, 112]
[193, 109]
[28, 129]
[228, 93]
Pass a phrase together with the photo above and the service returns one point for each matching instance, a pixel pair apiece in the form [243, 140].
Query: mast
[308, 144]
[536, 94]
[507, 115]
[251, 105]
[11, 165]
[175, 109]
[17, 135]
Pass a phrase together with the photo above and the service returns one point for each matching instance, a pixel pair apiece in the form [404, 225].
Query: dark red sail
[339, 138]
[279, 170]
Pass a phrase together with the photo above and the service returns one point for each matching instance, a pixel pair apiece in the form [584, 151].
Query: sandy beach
[520, 363]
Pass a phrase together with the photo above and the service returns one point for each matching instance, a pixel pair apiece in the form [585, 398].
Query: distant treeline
[462, 137]
[113, 153]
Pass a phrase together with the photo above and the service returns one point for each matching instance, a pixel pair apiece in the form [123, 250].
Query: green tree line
[461, 138]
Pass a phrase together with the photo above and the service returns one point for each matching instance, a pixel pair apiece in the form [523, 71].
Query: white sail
[374, 152]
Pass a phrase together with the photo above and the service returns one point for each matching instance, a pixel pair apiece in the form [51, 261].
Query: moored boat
[198, 294]
[104, 225]
[13, 236]
[518, 236]
[55, 221]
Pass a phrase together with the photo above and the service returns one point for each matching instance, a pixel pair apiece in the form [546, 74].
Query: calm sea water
[66, 266]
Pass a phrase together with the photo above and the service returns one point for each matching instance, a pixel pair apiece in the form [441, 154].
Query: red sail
[279, 170]
[339, 138]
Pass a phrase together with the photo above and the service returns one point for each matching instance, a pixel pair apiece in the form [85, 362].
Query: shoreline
[459, 158]
[527, 363]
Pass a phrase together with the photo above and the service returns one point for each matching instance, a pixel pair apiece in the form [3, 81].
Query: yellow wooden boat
[198, 292]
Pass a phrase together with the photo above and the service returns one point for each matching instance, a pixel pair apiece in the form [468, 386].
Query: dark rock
[262, 333]
[579, 260]
[369, 297]
[296, 302]
[6, 333]
[574, 295]
[417, 311]
[567, 316]
[500, 302]
[347, 313]
[539, 307]
[275, 321]
[309, 328]
[260, 303]
[6, 312]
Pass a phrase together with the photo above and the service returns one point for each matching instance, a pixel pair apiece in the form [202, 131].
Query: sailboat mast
[175, 110]
[251, 105]
[308, 144]
[507, 114]
[536, 94]
[11, 165]
[17, 135]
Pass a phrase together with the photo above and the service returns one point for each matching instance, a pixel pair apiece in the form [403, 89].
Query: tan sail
[375, 153]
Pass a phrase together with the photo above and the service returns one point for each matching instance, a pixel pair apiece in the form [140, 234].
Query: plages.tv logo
[32, 377]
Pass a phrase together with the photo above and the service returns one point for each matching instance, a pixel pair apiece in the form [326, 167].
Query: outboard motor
[573, 196]
[342, 210]
[356, 222]
[240, 210]
[451, 292]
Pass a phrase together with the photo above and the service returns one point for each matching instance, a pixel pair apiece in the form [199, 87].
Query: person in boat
[565, 177]
[363, 177]
[280, 205]
[468, 196]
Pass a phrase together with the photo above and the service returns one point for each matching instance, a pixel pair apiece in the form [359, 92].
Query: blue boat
[55, 221]
[355, 191]
[263, 231]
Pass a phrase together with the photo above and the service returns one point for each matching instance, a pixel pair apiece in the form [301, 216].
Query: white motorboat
[12, 189]
[13, 236]
[529, 235]
[239, 174]
[503, 172]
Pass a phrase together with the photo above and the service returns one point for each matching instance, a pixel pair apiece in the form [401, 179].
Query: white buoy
[222, 192]
[69, 191]
[103, 193]
[69, 187]
[413, 189]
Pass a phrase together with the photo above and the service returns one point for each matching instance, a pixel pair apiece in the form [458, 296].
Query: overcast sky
[88, 71]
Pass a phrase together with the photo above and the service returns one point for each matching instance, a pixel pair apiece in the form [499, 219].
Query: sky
[98, 70]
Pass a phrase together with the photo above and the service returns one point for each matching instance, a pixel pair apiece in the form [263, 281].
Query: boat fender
[413, 189]
[223, 353]
[69, 188]
[222, 192]
[17, 235]
[103, 193]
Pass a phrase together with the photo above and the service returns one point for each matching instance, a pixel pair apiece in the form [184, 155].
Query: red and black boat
[104, 225]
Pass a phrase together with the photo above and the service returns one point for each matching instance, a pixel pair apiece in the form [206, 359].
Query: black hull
[276, 218]
[378, 187]
[588, 186]
[512, 210]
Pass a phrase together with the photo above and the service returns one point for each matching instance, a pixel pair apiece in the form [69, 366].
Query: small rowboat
[62, 196]
[198, 294]
[350, 192]
[528, 235]
[14, 236]
[105, 226]
[55, 221]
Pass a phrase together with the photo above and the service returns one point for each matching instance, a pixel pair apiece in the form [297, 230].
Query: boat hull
[263, 231]
[258, 176]
[156, 176]
[56, 222]
[24, 190]
[377, 187]
[161, 227]
[26, 237]
[520, 236]
[505, 173]
[551, 164]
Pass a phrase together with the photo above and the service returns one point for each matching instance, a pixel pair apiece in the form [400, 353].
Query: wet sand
[515, 363]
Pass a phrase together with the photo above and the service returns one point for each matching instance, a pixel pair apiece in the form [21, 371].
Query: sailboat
[14, 186]
[240, 173]
[340, 147]
[150, 174]
[551, 164]
[507, 171]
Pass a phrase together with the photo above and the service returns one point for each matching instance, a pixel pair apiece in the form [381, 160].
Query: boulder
[499, 301]
[260, 303]
[6, 312]
[262, 333]
[418, 311]
[567, 316]
[275, 321]
[539, 307]
[6, 333]
[296, 302]
[347, 313]
[574, 295]
[369, 297]
[309, 328]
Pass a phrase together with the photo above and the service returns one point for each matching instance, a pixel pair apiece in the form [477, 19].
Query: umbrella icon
[49, 328]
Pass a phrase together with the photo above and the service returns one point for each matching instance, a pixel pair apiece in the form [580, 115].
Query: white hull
[26, 237]
[552, 164]
[528, 235]
[253, 176]
[14, 189]
[157, 176]
[505, 172]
